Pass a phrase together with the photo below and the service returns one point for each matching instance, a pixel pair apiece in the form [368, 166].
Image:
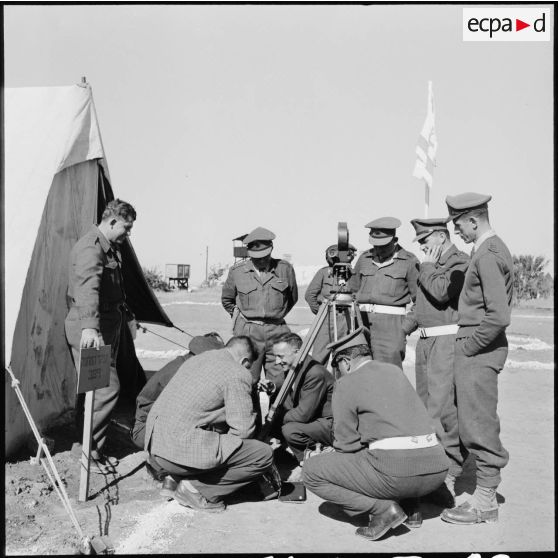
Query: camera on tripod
[340, 257]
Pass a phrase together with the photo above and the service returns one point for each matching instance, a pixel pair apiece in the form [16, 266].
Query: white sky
[218, 119]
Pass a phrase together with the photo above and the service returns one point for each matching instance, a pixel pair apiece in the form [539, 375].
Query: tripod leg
[291, 376]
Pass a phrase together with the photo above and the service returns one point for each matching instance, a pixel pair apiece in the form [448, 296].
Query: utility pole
[206, 260]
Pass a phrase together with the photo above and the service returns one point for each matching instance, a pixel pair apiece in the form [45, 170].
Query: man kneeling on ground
[308, 418]
[385, 446]
[155, 385]
[199, 429]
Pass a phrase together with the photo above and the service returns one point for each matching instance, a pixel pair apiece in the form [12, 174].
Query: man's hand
[266, 385]
[432, 254]
[90, 338]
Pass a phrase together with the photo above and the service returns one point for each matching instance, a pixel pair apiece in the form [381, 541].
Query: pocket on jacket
[246, 295]
[278, 294]
[394, 281]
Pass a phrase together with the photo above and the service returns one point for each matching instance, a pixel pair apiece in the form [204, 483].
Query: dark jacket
[439, 285]
[310, 398]
[486, 297]
[377, 401]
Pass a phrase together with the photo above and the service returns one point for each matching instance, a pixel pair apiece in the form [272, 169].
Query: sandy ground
[127, 506]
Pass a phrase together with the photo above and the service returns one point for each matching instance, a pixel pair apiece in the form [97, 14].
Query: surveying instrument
[341, 303]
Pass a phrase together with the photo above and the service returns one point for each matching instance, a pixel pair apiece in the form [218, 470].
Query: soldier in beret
[258, 294]
[484, 313]
[440, 280]
[385, 281]
[319, 291]
[384, 452]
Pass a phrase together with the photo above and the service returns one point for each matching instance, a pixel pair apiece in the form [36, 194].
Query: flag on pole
[427, 145]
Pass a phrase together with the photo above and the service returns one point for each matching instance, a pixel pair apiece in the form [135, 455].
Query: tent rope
[52, 472]
[144, 329]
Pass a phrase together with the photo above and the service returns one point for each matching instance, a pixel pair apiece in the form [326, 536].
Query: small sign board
[94, 369]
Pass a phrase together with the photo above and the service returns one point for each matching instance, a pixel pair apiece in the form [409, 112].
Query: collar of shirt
[250, 267]
[483, 237]
[103, 241]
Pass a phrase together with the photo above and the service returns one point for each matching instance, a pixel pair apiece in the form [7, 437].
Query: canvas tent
[56, 186]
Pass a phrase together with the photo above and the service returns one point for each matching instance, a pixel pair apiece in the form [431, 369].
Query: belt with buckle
[450, 329]
[405, 442]
[273, 321]
[383, 309]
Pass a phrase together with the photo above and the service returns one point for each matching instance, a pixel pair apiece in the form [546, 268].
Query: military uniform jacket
[486, 297]
[310, 398]
[203, 413]
[270, 295]
[95, 279]
[319, 288]
[439, 285]
[377, 401]
[394, 284]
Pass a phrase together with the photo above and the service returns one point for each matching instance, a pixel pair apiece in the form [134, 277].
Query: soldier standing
[440, 280]
[97, 308]
[258, 294]
[480, 352]
[318, 292]
[385, 281]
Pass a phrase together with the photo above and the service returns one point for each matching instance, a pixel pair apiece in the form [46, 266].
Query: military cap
[202, 343]
[260, 235]
[424, 227]
[357, 337]
[382, 230]
[463, 203]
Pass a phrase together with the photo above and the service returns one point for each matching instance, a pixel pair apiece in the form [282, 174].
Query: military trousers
[435, 386]
[300, 435]
[387, 338]
[351, 481]
[263, 336]
[326, 333]
[107, 397]
[476, 388]
[245, 465]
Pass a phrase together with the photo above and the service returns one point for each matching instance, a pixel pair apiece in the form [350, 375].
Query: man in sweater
[385, 446]
[439, 284]
[385, 281]
[319, 291]
[200, 428]
[480, 352]
[307, 418]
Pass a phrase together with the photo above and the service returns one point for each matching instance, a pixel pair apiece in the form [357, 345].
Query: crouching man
[199, 428]
[308, 417]
[385, 446]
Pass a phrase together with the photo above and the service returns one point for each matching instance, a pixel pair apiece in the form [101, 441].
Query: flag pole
[426, 151]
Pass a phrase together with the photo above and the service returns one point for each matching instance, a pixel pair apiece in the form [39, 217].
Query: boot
[411, 507]
[482, 507]
[380, 524]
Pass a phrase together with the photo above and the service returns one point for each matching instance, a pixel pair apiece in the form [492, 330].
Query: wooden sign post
[93, 373]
